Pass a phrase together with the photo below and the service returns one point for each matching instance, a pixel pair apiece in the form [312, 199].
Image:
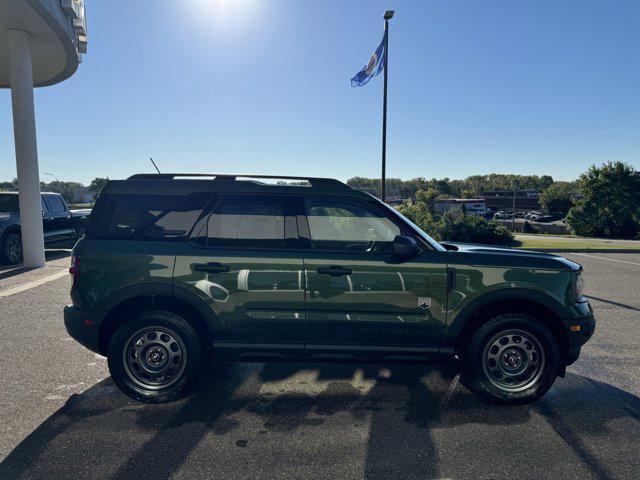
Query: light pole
[388, 15]
[52, 175]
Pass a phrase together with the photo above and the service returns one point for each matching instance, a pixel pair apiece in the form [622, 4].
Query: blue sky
[544, 87]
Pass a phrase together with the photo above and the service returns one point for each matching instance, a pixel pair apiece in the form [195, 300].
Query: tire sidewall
[476, 378]
[167, 320]
[5, 246]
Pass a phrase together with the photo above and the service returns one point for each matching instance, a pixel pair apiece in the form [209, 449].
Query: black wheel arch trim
[146, 290]
[455, 327]
[164, 290]
[199, 305]
[134, 291]
[14, 228]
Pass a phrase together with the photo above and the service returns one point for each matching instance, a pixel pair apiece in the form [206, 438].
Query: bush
[529, 228]
[458, 227]
[454, 225]
[609, 204]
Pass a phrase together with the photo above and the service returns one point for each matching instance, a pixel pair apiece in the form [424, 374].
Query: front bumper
[579, 337]
[83, 326]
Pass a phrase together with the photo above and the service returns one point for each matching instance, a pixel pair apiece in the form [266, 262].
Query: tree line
[63, 188]
[603, 202]
[469, 187]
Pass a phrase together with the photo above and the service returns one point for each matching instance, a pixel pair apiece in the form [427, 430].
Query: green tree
[423, 211]
[96, 185]
[471, 186]
[458, 227]
[609, 202]
[66, 189]
[558, 198]
[453, 225]
[9, 186]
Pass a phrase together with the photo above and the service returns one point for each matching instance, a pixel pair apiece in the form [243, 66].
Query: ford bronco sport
[175, 269]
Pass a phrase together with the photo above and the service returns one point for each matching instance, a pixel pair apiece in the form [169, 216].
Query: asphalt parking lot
[61, 416]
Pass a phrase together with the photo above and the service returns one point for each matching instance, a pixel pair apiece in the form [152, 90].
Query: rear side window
[9, 203]
[247, 222]
[147, 217]
[55, 204]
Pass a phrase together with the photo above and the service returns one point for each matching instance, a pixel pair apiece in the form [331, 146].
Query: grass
[569, 243]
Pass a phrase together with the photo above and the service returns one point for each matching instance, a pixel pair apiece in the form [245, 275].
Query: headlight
[579, 286]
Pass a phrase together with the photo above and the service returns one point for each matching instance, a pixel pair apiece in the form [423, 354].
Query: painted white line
[35, 283]
[604, 258]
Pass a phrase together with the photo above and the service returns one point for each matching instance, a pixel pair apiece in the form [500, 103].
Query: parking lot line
[604, 258]
[30, 285]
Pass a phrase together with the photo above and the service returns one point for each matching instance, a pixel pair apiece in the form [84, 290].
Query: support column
[24, 128]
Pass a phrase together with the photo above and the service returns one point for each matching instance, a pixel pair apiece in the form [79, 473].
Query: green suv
[177, 269]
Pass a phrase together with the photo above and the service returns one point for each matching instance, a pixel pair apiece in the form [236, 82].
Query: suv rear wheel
[156, 357]
[511, 359]
[12, 249]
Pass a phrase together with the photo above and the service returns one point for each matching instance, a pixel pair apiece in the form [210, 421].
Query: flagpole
[388, 15]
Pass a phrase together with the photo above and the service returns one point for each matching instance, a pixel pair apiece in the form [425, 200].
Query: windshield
[8, 203]
[417, 229]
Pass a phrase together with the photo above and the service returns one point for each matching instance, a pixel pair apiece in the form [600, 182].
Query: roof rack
[313, 181]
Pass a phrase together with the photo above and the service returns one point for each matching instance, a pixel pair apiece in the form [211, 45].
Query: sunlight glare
[224, 13]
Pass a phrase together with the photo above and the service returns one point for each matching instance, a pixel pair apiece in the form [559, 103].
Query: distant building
[526, 200]
[474, 206]
[394, 200]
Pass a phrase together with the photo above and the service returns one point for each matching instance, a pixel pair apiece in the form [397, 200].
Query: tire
[156, 358]
[11, 252]
[511, 359]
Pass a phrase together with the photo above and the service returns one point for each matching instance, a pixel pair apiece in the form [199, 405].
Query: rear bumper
[83, 326]
[577, 339]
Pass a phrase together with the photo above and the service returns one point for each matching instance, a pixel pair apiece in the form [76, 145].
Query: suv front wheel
[155, 357]
[511, 359]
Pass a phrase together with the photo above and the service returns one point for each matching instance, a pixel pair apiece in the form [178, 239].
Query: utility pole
[513, 211]
[388, 15]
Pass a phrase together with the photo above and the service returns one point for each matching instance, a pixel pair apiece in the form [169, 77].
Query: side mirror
[405, 247]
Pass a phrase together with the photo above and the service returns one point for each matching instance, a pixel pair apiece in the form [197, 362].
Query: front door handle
[211, 267]
[451, 278]
[335, 271]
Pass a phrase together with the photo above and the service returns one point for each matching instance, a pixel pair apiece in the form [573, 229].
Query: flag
[373, 67]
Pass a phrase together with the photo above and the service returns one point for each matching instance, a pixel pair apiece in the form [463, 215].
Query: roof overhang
[58, 37]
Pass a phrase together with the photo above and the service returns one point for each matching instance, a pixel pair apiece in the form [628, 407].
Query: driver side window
[340, 226]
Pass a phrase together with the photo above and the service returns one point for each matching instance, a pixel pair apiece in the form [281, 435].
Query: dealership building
[525, 200]
[41, 44]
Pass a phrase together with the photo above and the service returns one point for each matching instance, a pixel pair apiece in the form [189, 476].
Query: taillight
[74, 270]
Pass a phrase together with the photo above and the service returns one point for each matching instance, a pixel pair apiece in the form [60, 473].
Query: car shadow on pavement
[7, 271]
[304, 420]
[615, 304]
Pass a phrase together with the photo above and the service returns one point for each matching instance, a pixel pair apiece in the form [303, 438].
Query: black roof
[185, 183]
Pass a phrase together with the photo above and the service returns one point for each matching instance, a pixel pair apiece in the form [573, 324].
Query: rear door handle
[211, 267]
[335, 271]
